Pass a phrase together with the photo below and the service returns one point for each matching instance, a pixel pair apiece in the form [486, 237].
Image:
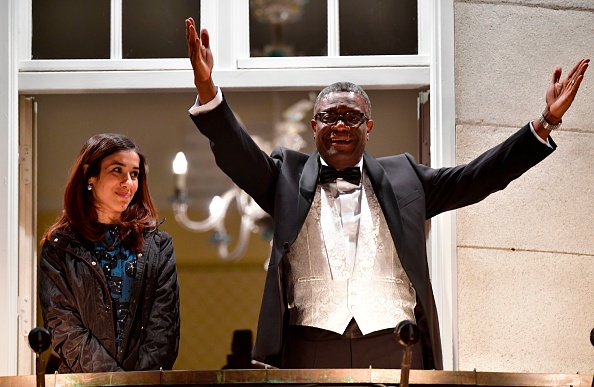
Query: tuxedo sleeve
[450, 188]
[238, 155]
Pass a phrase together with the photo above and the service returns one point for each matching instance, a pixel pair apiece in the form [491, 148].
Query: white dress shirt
[347, 198]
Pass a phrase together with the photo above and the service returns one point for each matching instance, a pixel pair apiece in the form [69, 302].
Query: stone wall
[526, 254]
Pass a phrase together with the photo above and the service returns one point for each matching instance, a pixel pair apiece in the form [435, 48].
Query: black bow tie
[329, 175]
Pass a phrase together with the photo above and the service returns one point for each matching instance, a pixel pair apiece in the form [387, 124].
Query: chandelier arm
[245, 229]
[180, 210]
[253, 217]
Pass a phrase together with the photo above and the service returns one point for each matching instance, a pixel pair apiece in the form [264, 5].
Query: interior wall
[216, 297]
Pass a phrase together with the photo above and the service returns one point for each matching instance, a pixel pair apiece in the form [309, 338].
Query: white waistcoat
[324, 292]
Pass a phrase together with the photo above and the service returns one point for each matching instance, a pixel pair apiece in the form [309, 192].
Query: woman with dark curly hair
[108, 281]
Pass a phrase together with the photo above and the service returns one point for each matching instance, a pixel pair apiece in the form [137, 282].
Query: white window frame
[226, 21]
[333, 59]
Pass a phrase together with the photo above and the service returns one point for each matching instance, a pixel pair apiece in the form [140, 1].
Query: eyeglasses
[351, 119]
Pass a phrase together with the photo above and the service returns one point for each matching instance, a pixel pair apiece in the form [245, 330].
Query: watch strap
[546, 124]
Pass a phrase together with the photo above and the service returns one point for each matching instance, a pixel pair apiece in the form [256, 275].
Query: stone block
[549, 208]
[524, 311]
[505, 55]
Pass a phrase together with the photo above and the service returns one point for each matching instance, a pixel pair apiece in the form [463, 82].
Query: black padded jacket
[77, 309]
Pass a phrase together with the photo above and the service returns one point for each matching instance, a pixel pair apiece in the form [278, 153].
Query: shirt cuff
[210, 105]
[546, 142]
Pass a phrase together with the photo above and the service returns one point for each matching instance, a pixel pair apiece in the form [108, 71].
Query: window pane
[378, 27]
[71, 29]
[288, 28]
[156, 28]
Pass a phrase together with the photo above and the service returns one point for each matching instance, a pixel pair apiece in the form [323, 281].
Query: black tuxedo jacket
[283, 184]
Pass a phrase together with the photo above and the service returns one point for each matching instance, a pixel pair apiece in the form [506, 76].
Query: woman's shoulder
[61, 236]
[158, 242]
[158, 233]
[63, 242]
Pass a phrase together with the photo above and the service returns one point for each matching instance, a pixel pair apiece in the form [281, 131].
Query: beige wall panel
[505, 55]
[549, 208]
[525, 311]
[216, 300]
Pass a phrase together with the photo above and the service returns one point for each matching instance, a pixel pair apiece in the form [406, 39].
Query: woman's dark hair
[79, 213]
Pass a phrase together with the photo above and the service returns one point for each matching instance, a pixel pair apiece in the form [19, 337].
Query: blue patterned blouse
[119, 268]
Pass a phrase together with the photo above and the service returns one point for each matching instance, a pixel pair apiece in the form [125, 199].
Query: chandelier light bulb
[216, 206]
[180, 164]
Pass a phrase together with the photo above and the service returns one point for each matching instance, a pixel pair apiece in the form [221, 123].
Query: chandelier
[253, 220]
[276, 14]
[277, 11]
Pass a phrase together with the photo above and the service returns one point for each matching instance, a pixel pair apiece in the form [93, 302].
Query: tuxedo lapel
[387, 199]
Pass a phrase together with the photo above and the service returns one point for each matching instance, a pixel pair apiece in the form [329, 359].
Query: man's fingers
[556, 74]
[584, 66]
[205, 38]
[574, 69]
[578, 81]
[191, 33]
[579, 68]
[194, 44]
[576, 75]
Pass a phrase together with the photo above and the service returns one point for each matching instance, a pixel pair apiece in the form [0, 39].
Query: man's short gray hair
[344, 87]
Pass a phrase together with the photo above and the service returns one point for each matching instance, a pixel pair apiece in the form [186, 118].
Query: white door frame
[8, 187]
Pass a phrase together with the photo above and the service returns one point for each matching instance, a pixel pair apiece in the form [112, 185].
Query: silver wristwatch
[546, 125]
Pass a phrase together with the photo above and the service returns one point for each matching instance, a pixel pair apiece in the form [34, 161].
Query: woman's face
[116, 185]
